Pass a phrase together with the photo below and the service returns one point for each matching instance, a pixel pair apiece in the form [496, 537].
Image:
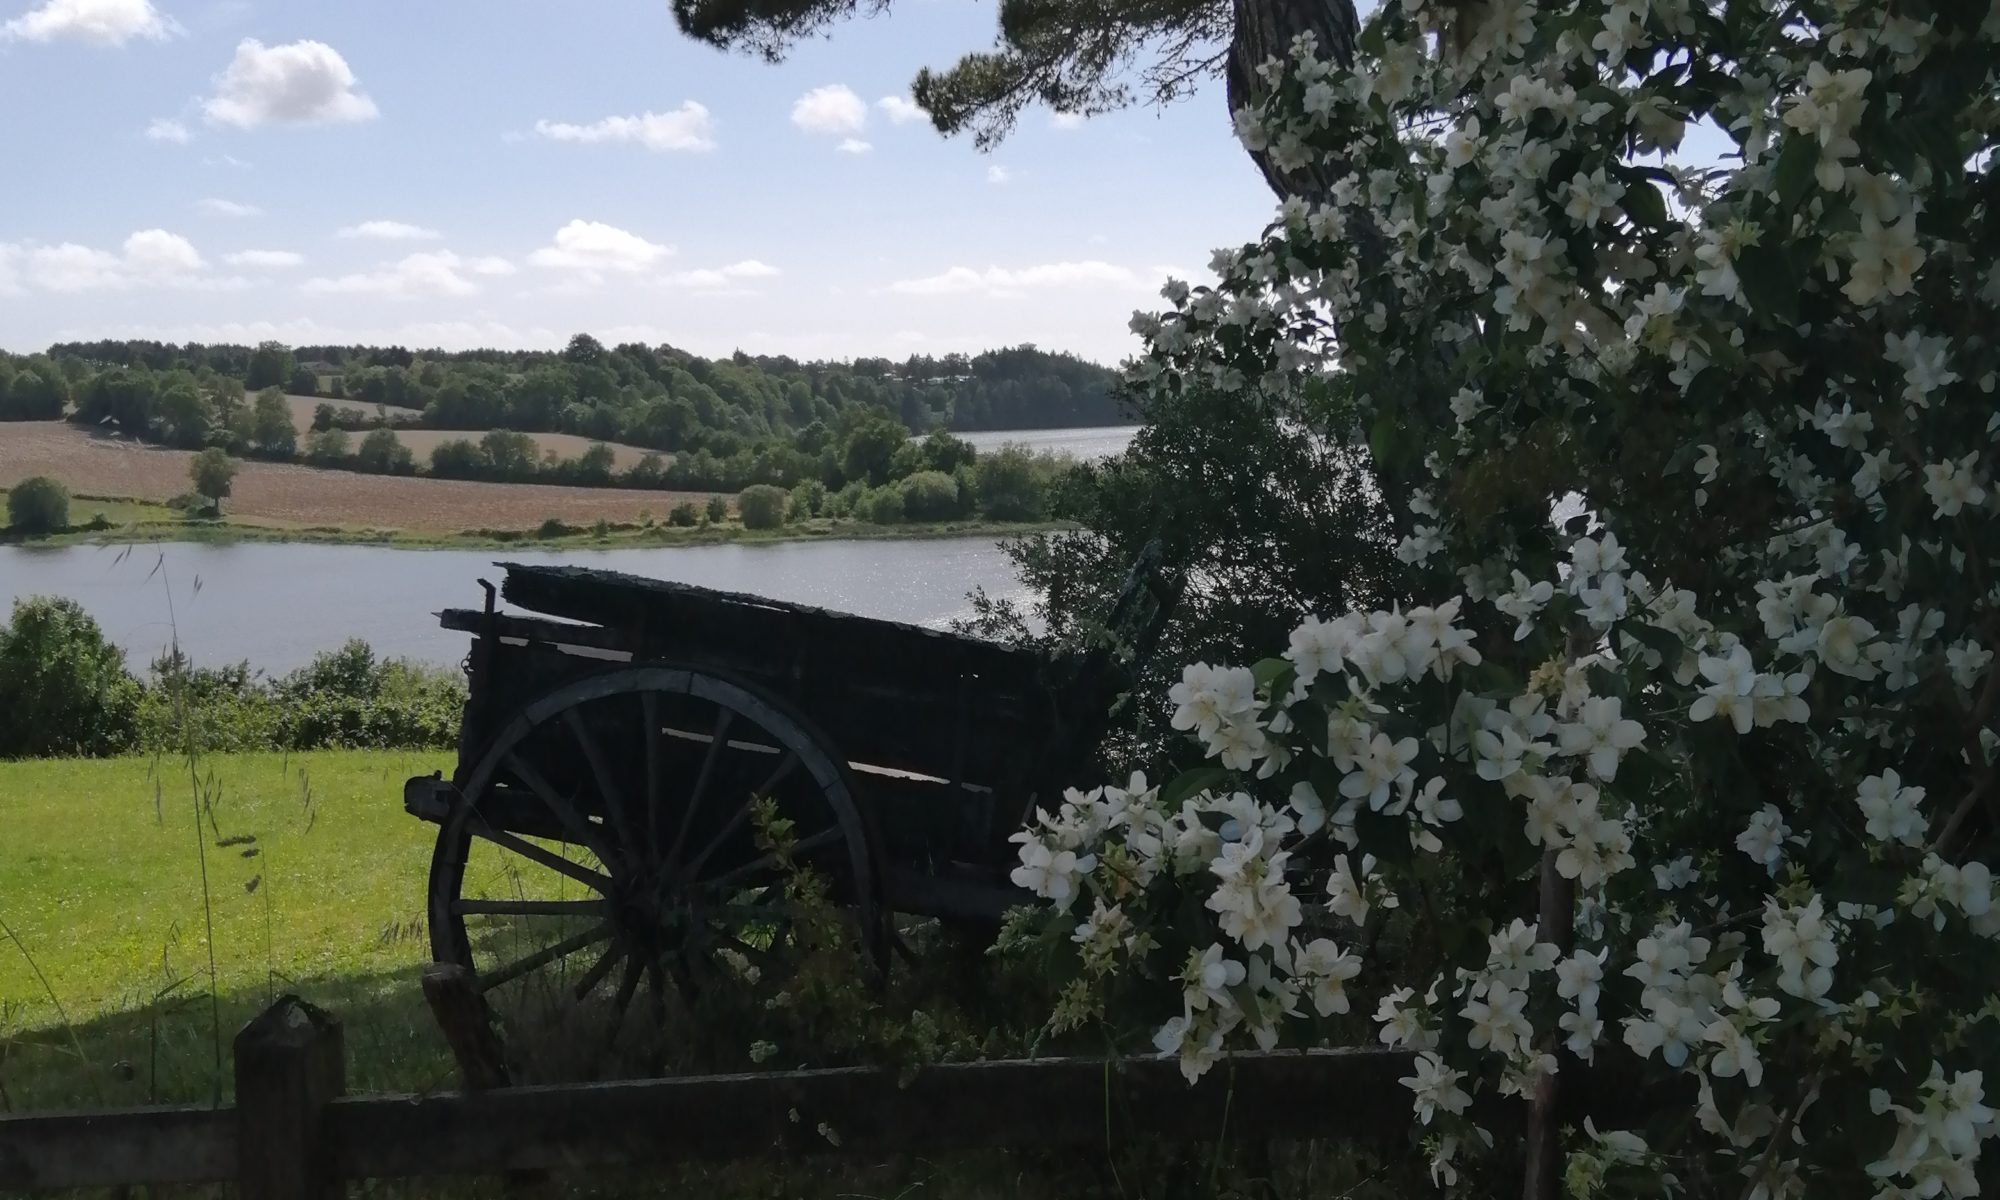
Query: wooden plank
[179, 1144]
[467, 1024]
[290, 1061]
[1053, 1103]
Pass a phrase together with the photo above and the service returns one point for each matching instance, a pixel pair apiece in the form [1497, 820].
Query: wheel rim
[604, 845]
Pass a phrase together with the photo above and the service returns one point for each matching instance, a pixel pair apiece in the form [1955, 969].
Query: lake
[277, 605]
[1083, 443]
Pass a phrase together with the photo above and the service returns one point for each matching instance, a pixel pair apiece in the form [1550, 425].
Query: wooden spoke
[579, 828]
[543, 957]
[614, 797]
[600, 969]
[785, 768]
[717, 742]
[825, 837]
[627, 986]
[531, 908]
[593, 880]
[649, 716]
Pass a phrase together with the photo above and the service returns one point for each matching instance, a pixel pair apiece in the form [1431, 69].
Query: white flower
[1317, 647]
[1668, 1027]
[1731, 678]
[1403, 1022]
[1953, 486]
[1385, 765]
[1891, 809]
[1801, 939]
[1600, 733]
[1526, 600]
[1348, 897]
[1763, 839]
[1840, 645]
[1886, 257]
[1676, 874]
[1461, 145]
[1436, 1087]
[1578, 977]
[1207, 978]
[1498, 1020]
[1328, 968]
[1050, 874]
[1967, 661]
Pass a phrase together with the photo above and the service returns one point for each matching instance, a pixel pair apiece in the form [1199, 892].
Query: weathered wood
[290, 1063]
[179, 1144]
[1050, 1104]
[467, 1023]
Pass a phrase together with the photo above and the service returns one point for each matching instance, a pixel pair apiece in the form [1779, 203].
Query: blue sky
[228, 170]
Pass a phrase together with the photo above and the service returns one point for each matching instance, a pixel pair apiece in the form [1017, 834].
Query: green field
[101, 890]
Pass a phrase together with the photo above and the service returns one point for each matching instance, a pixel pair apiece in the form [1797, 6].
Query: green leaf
[1267, 672]
[1770, 281]
[1796, 164]
[1644, 204]
[1187, 783]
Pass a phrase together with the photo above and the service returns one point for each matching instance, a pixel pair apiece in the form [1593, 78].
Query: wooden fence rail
[293, 1135]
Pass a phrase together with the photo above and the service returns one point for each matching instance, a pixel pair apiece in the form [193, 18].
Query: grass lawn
[101, 890]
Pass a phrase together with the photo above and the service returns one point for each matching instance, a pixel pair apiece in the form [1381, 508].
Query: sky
[461, 173]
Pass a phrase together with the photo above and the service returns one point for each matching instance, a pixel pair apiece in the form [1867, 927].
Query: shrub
[881, 506]
[762, 506]
[684, 515]
[717, 510]
[67, 691]
[457, 459]
[553, 528]
[327, 447]
[38, 506]
[1010, 485]
[931, 496]
[383, 453]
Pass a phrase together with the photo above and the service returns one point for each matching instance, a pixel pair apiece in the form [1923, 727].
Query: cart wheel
[605, 840]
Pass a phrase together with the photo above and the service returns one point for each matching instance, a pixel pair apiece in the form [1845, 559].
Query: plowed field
[95, 465]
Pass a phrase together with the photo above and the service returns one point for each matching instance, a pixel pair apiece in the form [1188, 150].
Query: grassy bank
[104, 987]
[126, 521]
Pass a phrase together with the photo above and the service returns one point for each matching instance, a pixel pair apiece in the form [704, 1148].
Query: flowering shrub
[1685, 769]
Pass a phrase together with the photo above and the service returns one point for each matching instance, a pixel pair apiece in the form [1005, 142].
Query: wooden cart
[600, 823]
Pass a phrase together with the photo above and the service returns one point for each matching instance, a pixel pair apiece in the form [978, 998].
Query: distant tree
[67, 689]
[685, 515]
[184, 415]
[931, 496]
[943, 452]
[717, 510]
[1010, 485]
[871, 447]
[270, 367]
[649, 472]
[328, 447]
[304, 382]
[121, 397]
[37, 392]
[595, 463]
[383, 453]
[271, 429]
[337, 387]
[762, 506]
[510, 455]
[38, 506]
[324, 415]
[457, 458]
[808, 500]
[584, 350]
[213, 474]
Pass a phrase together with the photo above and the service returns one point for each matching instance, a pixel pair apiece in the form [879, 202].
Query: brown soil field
[422, 441]
[95, 465]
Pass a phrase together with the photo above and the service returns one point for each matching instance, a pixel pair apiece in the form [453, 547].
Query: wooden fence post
[290, 1062]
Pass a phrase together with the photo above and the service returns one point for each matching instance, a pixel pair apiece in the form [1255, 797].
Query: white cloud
[715, 279]
[688, 127]
[148, 258]
[1066, 121]
[265, 260]
[103, 22]
[166, 129]
[299, 83]
[230, 208]
[997, 174]
[833, 109]
[427, 273]
[1001, 281]
[389, 231]
[226, 160]
[593, 246]
[854, 146]
[901, 110]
